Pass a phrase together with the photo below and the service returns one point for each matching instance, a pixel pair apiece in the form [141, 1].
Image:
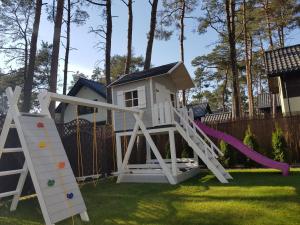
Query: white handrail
[212, 145]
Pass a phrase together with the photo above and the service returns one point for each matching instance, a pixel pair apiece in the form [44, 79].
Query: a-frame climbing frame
[46, 161]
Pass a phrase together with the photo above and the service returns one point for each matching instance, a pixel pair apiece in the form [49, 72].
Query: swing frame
[46, 97]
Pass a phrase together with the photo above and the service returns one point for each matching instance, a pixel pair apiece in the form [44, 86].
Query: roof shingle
[282, 61]
[155, 71]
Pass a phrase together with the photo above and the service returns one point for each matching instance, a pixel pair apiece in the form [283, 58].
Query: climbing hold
[61, 165]
[70, 195]
[40, 125]
[42, 144]
[51, 183]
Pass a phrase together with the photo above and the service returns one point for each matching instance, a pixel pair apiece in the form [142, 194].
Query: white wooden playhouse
[155, 92]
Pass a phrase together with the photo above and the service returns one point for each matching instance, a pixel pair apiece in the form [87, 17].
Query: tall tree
[230, 20]
[221, 17]
[78, 16]
[129, 35]
[56, 47]
[107, 36]
[172, 16]
[107, 56]
[31, 65]
[15, 32]
[151, 34]
[248, 58]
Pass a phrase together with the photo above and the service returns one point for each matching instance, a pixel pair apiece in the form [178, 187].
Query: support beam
[119, 152]
[155, 151]
[129, 150]
[148, 152]
[173, 152]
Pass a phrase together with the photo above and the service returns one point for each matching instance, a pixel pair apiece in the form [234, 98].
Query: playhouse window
[172, 97]
[131, 98]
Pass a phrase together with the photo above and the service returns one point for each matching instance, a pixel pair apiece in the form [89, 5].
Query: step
[9, 193]
[11, 172]
[33, 114]
[12, 150]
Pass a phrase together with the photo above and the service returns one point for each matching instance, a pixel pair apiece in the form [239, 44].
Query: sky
[87, 56]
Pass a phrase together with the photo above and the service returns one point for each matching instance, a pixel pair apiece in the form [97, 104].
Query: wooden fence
[262, 129]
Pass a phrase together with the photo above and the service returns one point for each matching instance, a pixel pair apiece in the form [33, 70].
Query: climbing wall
[55, 177]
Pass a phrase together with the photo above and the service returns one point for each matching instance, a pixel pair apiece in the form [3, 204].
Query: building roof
[200, 109]
[174, 69]
[97, 87]
[282, 61]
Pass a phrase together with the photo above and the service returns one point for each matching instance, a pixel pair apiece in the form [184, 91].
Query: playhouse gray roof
[155, 71]
[283, 61]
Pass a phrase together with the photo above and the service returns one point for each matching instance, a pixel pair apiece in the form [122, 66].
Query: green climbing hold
[51, 183]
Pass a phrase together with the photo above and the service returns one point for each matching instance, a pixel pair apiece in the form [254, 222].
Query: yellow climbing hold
[42, 144]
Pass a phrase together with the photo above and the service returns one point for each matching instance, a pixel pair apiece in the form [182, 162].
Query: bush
[225, 159]
[251, 142]
[250, 139]
[279, 145]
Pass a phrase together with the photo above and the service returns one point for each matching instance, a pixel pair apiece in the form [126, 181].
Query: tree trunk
[181, 39]
[55, 50]
[107, 56]
[248, 62]
[151, 35]
[129, 38]
[33, 47]
[230, 14]
[224, 92]
[67, 53]
[266, 8]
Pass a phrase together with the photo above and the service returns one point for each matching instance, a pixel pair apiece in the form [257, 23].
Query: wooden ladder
[9, 123]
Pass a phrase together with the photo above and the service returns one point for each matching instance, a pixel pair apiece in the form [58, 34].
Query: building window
[172, 97]
[83, 110]
[131, 98]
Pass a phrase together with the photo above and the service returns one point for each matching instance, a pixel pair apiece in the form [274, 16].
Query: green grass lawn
[253, 197]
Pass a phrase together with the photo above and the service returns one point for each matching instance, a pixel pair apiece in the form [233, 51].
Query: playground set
[144, 104]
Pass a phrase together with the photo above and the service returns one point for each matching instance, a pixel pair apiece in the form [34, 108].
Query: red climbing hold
[61, 165]
[40, 125]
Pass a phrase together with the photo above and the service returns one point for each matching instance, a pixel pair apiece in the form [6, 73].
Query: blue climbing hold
[70, 195]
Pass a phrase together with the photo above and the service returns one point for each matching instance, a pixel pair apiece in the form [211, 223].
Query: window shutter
[142, 97]
[120, 98]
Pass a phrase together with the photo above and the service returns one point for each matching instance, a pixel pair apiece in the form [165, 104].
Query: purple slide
[250, 153]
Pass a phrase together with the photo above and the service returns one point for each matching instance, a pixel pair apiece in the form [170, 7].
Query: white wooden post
[173, 152]
[119, 152]
[148, 152]
[129, 150]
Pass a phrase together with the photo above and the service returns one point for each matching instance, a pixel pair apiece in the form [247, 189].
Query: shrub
[279, 145]
[225, 159]
[185, 152]
[251, 142]
[250, 139]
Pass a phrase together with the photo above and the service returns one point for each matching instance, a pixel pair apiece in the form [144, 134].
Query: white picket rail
[162, 114]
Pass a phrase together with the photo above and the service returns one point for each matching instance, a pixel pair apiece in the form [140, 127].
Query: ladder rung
[9, 193]
[11, 172]
[34, 114]
[12, 150]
